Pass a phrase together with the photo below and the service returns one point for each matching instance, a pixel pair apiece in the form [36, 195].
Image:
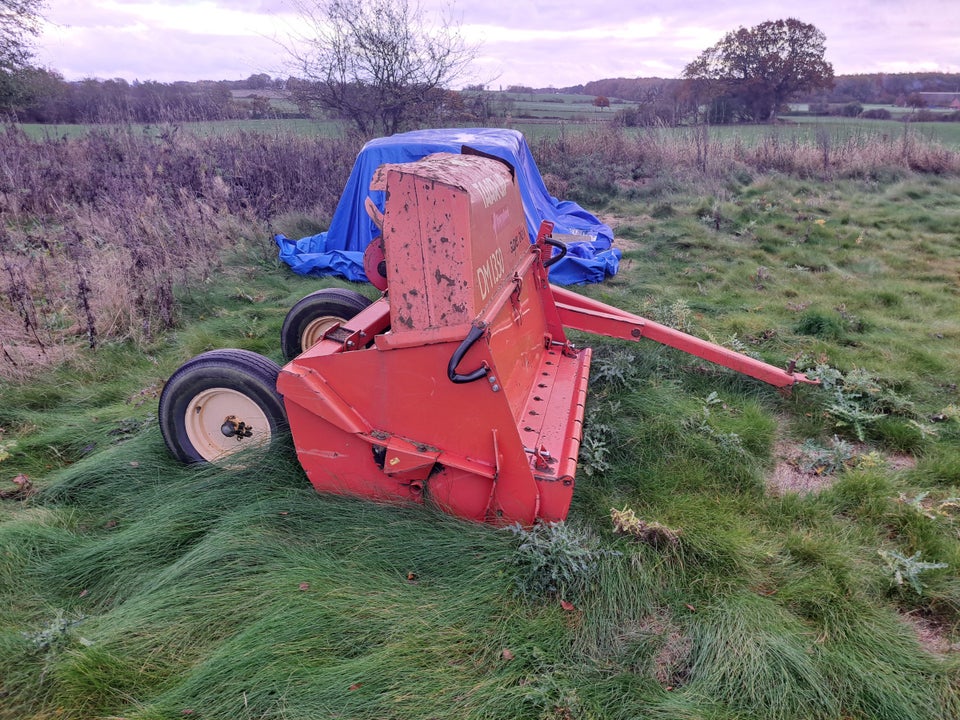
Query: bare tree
[376, 63]
[19, 21]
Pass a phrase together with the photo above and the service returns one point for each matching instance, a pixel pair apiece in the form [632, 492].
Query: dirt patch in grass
[933, 635]
[901, 461]
[790, 476]
[671, 666]
[670, 663]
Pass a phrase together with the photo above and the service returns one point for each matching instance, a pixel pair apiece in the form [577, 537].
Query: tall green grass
[145, 589]
[244, 594]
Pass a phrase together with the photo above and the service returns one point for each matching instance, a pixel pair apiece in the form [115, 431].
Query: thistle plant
[908, 568]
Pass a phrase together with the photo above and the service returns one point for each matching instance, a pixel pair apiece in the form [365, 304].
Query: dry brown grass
[607, 156]
[98, 231]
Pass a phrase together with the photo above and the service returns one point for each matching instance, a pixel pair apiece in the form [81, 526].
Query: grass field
[305, 128]
[540, 115]
[796, 129]
[947, 133]
[803, 562]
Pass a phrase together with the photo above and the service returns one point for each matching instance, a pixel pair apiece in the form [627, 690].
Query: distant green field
[947, 133]
[562, 111]
[895, 110]
[324, 128]
[543, 115]
[550, 98]
[558, 106]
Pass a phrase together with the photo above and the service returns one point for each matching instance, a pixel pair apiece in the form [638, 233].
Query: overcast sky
[541, 43]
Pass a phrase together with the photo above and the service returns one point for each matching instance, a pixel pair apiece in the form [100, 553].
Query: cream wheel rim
[220, 421]
[315, 330]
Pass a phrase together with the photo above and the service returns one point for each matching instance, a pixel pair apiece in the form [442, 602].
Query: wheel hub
[316, 329]
[218, 420]
[235, 428]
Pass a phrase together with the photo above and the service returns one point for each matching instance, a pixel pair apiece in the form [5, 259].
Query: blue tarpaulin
[339, 250]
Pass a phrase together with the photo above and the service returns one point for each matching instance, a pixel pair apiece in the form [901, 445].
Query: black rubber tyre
[220, 402]
[314, 314]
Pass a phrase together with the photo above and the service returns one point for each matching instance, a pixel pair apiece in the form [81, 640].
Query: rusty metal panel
[454, 233]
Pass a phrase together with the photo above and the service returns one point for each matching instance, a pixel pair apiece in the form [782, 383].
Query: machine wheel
[314, 314]
[220, 402]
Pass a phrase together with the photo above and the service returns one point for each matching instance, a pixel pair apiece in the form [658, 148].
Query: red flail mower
[457, 387]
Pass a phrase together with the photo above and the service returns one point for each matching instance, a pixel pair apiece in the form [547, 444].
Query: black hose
[556, 258]
[476, 332]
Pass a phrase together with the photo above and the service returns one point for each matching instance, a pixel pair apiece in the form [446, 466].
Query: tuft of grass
[821, 325]
[754, 658]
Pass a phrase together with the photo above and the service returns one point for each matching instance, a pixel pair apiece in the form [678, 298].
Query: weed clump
[908, 569]
[822, 325]
[626, 522]
[860, 402]
[555, 560]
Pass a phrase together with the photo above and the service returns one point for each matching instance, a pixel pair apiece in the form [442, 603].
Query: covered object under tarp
[339, 250]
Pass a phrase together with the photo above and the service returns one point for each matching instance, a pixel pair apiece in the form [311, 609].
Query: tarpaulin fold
[591, 256]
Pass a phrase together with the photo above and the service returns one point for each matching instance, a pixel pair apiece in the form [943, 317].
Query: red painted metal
[581, 313]
[458, 385]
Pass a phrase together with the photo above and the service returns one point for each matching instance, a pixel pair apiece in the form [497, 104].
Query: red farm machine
[458, 386]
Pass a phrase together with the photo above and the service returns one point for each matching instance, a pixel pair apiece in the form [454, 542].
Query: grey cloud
[862, 36]
[174, 56]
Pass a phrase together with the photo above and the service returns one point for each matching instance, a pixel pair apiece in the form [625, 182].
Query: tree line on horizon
[864, 88]
[389, 68]
[54, 100]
